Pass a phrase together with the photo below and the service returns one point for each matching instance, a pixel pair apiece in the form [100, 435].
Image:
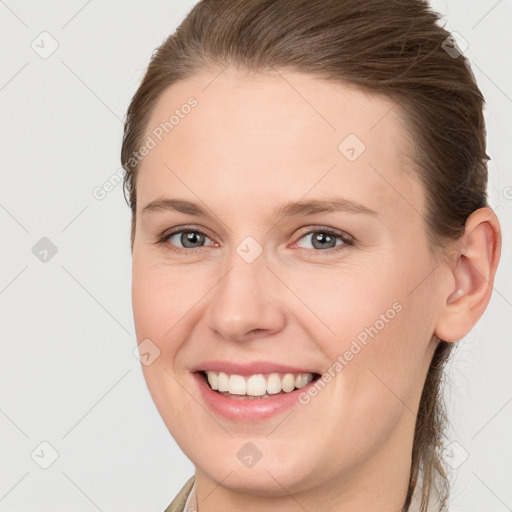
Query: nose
[245, 302]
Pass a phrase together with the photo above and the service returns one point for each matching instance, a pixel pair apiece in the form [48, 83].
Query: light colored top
[183, 500]
[191, 503]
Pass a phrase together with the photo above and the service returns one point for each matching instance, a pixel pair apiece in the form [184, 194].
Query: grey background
[68, 376]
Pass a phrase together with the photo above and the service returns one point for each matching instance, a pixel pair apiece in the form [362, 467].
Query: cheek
[163, 300]
[373, 324]
[382, 384]
[157, 309]
[337, 305]
[166, 304]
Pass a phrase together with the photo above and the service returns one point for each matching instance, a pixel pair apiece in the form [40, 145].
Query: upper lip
[251, 368]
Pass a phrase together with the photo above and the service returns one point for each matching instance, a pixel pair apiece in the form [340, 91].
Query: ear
[477, 255]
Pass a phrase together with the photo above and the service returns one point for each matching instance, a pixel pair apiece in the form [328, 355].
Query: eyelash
[344, 237]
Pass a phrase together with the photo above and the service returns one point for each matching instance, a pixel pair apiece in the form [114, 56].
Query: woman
[310, 236]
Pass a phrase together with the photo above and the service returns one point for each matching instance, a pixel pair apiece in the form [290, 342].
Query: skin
[253, 143]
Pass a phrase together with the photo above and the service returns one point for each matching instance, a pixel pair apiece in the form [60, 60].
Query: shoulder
[178, 503]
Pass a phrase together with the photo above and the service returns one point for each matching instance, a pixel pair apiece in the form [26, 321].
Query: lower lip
[248, 410]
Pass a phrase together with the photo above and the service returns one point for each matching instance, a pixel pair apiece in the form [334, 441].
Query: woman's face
[255, 282]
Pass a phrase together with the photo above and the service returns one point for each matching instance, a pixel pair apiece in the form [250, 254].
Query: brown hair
[395, 48]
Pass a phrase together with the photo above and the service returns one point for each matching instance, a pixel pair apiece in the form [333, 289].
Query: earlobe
[473, 272]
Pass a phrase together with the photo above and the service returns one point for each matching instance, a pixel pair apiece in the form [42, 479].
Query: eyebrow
[291, 209]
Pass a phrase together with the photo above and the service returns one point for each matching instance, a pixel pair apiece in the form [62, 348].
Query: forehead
[278, 134]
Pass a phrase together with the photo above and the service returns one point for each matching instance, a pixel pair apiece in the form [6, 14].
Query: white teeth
[223, 381]
[213, 379]
[237, 385]
[273, 384]
[257, 385]
[288, 382]
[300, 380]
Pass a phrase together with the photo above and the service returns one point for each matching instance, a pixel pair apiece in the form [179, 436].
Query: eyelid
[164, 237]
[326, 229]
[347, 239]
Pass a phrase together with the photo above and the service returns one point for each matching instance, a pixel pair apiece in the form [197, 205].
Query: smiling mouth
[244, 396]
